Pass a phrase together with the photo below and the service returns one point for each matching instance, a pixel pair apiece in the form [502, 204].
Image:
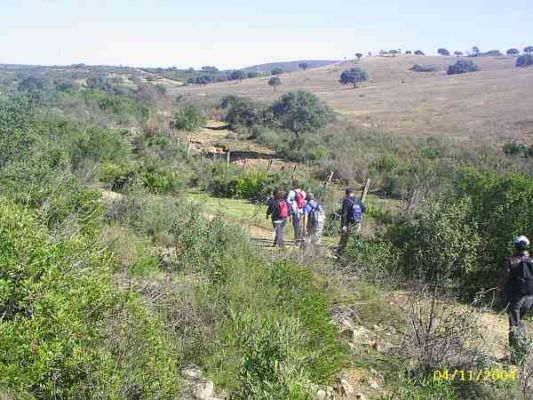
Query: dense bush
[241, 112]
[462, 67]
[524, 60]
[54, 344]
[189, 118]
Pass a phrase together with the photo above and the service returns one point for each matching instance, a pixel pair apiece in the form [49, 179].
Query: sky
[236, 33]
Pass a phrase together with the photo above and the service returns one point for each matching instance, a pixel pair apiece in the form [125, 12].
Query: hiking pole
[362, 199]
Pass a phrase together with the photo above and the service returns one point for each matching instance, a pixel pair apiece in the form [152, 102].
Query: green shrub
[440, 244]
[189, 118]
[57, 303]
[161, 180]
[353, 76]
[272, 368]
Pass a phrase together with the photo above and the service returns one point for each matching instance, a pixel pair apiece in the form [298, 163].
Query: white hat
[522, 242]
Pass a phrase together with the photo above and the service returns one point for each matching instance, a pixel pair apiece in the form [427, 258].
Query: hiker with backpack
[314, 217]
[279, 211]
[519, 294]
[296, 200]
[351, 217]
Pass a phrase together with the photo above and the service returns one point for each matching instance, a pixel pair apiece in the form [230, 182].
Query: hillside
[287, 66]
[493, 103]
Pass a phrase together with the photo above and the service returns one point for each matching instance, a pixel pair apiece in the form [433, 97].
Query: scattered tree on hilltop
[276, 71]
[210, 69]
[458, 53]
[358, 56]
[419, 53]
[528, 50]
[513, 52]
[493, 53]
[303, 65]
[443, 52]
[353, 75]
[461, 67]
[237, 76]
[475, 51]
[408, 52]
[252, 74]
[393, 52]
[300, 112]
[274, 82]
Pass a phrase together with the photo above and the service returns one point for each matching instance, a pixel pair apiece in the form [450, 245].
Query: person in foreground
[518, 292]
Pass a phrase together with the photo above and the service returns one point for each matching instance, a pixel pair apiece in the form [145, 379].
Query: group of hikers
[308, 216]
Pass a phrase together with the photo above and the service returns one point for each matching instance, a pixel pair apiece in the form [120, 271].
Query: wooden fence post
[328, 180]
[228, 157]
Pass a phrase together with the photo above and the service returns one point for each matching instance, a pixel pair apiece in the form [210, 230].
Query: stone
[204, 390]
[192, 372]
[321, 395]
[346, 388]
[360, 396]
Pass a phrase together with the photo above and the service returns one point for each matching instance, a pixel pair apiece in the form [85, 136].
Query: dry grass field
[494, 104]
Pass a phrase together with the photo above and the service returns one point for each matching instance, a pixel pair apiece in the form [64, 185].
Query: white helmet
[521, 243]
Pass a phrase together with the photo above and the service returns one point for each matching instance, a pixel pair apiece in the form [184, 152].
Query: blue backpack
[357, 212]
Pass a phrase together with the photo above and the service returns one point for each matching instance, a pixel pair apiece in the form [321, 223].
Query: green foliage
[271, 369]
[501, 210]
[237, 76]
[440, 244]
[189, 118]
[524, 60]
[513, 52]
[16, 129]
[303, 65]
[418, 53]
[300, 112]
[462, 67]
[276, 71]
[49, 292]
[161, 180]
[354, 76]
[443, 52]
[240, 112]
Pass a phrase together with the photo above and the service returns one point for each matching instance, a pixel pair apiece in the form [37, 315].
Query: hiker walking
[314, 217]
[296, 200]
[351, 216]
[519, 294]
[278, 211]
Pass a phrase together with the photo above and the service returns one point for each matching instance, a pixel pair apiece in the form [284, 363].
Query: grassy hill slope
[495, 102]
[287, 66]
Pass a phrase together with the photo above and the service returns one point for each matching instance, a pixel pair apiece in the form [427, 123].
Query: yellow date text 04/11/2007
[469, 375]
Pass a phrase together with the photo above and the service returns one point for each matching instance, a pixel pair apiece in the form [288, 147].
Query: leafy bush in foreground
[66, 331]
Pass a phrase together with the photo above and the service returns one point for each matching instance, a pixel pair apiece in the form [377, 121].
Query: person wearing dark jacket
[278, 211]
[351, 216]
[519, 294]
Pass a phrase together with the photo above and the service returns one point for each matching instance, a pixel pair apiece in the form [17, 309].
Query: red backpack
[300, 200]
[283, 209]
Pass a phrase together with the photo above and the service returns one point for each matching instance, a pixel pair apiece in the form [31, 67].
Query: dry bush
[441, 334]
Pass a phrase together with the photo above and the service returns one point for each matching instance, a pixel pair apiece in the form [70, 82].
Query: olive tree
[353, 76]
[300, 112]
[274, 82]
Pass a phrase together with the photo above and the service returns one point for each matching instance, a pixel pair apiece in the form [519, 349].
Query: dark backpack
[521, 277]
[356, 212]
[313, 215]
